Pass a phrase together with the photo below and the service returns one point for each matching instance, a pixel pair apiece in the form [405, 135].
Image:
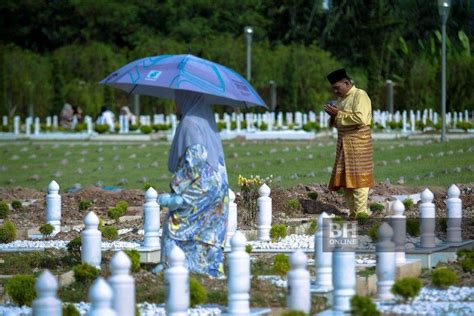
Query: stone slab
[253, 311]
[149, 255]
[411, 268]
[366, 285]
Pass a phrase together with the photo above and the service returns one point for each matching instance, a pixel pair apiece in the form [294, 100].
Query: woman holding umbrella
[198, 203]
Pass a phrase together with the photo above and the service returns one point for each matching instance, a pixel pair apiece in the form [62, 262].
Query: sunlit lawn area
[35, 164]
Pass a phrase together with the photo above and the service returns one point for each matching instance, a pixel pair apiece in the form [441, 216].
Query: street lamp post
[248, 31]
[443, 6]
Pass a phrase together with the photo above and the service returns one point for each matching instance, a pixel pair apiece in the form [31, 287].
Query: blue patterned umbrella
[160, 76]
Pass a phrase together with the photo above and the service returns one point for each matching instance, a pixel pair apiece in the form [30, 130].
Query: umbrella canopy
[160, 76]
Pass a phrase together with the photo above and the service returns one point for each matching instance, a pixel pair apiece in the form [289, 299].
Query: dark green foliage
[294, 313]
[146, 129]
[464, 125]
[313, 226]
[362, 217]
[80, 127]
[134, 256]
[4, 210]
[466, 259]
[123, 205]
[264, 126]
[366, 272]
[278, 231]
[115, 213]
[85, 205]
[407, 288]
[281, 264]
[101, 128]
[337, 219]
[313, 195]
[363, 306]
[133, 127]
[413, 227]
[161, 127]
[373, 232]
[109, 232]
[376, 207]
[46, 229]
[444, 277]
[293, 204]
[197, 292]
[311, 126]
[16, 205]
[221, 126]
[248, 248]
[21, 289]
[408, 203]
[74, 247]
[7, 232]
[70, 310]
[85, 273]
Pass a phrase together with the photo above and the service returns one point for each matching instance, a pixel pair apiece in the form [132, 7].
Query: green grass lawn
[35, 164]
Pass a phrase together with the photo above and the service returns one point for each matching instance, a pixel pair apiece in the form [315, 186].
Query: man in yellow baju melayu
[353, 168]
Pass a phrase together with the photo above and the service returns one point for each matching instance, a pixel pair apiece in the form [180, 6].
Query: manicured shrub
[281, 265]
[264, 126]
[407, 288]
[313, 195]
[133, 127]
[277, 232]
[311, 126]
[373, 232]
[16, 205]
[197, 292]
[221, 126]
[376, 207]
[444, 277]
[413, 227]
[134, 256]
[74, 247]
[109, 232]
[21, 289]
[80, 127]
[363, 306]
[123, 205]
[7, 232]
[466, 259]
[4, 210]
[293, 204]
[85, 273]
[248, 248]
[46, 229]
[85, 205]
[101, 128]
[313, 226]
[115, 213]
[146, 129]
[70, 310]
[362, 217]
[408, 203]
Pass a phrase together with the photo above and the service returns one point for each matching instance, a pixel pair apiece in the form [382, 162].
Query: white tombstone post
[46, 302]
[454, 205]
[227, 122]
[264, 214]
[280, 119]
[321, 119]
[91, 238]
[455, 119]
[101, 296]
[238, 123]
[404, 121]
[299, 282]
[122, 120]
[122, 284]
[151, 211]
[238, 277]
[466, 115]
[383, 120]
[16, 125]
[343, 279]
[48, 121]
[232, 218]
[386, 266]
[412, 121]
[28, 123]
[427, 216]
[4, 120]
[55, 122]
[430, 114]
[435, 118]
[88, 121]
[398, 223]
[323, 259]
[53, 206]
[448, 119]
[37, 126]
[177, 284]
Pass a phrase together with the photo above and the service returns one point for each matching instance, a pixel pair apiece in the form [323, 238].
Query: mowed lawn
[132, 165]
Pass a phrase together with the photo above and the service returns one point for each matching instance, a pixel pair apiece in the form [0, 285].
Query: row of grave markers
[271, 119]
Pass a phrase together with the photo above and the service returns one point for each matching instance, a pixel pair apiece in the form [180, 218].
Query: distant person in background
[354, 167]
[198, 204]
[106, 117]
[66, 116]
[76, 116]
[132, 118]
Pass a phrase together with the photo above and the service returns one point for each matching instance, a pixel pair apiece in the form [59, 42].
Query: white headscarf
[197, 126]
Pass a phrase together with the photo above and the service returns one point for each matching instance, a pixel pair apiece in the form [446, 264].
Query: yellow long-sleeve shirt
[355, 108]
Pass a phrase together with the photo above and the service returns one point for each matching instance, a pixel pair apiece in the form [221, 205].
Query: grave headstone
[398, 223]
[238, 261]
[91, 238]
[323, 259]
[152, 219]
[299, 281]
[232, 218]
[16, 125]
[177, 284]
[101, 296]
[454, 205]
[386, 265]
[343, 278]
[46, 302]
[122, 284]
[53, 206]
[37, 126]
[427, 220]
[55, 122]
[264, 214]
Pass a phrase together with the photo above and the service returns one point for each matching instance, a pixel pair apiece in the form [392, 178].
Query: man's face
[341, 87]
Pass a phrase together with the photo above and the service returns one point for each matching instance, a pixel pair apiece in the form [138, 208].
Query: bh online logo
[343, 234]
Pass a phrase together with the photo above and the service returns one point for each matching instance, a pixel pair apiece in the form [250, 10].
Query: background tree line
[56, 51]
